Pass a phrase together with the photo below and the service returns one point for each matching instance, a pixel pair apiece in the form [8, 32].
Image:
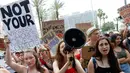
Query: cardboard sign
[83, 27]
[125, 13]
[18, 23]
[87, 52]
[52, 40]
[57, 26]
[2, 46]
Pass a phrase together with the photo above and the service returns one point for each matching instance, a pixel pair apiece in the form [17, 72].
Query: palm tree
[104, 17]
[100, 15]
[55, 9]
[117, 20]
[38, 4]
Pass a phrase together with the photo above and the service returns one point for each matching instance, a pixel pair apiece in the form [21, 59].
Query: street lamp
[125, 1]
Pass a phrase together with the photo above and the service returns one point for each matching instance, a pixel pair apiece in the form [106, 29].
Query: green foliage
[41, 13]
[100, 15]
[108, 26]
[55, 9]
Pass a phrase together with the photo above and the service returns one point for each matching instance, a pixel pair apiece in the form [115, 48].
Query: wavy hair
[59, 57]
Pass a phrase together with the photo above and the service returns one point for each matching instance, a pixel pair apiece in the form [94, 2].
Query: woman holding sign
[31, 60]
[104, 60]
[62, 62]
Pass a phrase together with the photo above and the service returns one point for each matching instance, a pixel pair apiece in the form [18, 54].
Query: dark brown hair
[59, 57]
[112, 60]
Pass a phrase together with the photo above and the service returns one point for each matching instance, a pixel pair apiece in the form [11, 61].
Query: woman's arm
[15, 58]
[125, 31]
[2, 70]
[91, 67]
[46, 70]
[62, 70]
[18, 68]
[79, 67]
[125, 60]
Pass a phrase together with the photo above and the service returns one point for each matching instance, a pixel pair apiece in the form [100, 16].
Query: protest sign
[56, 25]
[125, 13]
[2, 46]
[83, 27]
[19, 25]
[52, 40]
[87, 52]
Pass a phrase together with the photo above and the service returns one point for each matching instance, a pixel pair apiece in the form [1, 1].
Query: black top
[103, 70]
[99, 69]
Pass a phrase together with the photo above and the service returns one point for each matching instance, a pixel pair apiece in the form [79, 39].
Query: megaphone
[74, 38]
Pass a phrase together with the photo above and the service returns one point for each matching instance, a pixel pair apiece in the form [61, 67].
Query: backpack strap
[94, 62]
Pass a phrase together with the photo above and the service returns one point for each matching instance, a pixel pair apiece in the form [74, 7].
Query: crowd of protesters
[111, 55]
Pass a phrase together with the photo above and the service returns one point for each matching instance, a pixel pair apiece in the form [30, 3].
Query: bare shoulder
[55, 63]
[46, 70]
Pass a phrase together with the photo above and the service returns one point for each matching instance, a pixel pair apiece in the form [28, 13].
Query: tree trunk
[40, 25]
[57, 15]
[100, 24]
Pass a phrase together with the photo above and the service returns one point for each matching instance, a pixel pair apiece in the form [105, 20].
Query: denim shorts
[125, 67]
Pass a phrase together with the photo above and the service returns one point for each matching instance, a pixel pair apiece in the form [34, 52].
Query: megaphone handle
[73, 63]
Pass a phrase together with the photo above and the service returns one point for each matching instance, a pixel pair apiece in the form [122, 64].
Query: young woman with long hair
[62, 62]
[121, 53]
[104, 60]
[31, 60]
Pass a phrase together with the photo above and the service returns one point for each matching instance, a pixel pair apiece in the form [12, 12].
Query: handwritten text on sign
[19, 25]
[125, 13]
[52, 40]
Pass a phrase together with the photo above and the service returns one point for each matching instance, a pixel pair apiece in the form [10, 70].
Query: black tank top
[99, 69]
[103, 70]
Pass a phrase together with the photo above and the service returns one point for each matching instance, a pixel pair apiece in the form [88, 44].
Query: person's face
[104, 47]
[111, 33]
[95, 35]
[29, 59]
[62, 46]
[17, 54]
[43, 54]
[21, 56]
[118, 40]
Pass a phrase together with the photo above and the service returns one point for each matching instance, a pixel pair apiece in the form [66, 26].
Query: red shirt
[77, 56]
[42, 61]
[71, 70]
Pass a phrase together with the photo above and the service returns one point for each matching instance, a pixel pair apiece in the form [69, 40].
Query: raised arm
[62, 70]
[18, 68]
[79, 67]
[15, 58]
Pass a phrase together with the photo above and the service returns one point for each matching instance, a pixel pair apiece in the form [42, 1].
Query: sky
[108, 6]
[71, 6]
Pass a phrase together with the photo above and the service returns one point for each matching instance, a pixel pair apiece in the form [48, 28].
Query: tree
[38, 4]
[100, 15]
[117, 20]
[96, 24]
[108, 26]
[104, 16]
[55, 9]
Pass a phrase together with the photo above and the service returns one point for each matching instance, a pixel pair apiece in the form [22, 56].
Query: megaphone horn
[74, 38]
